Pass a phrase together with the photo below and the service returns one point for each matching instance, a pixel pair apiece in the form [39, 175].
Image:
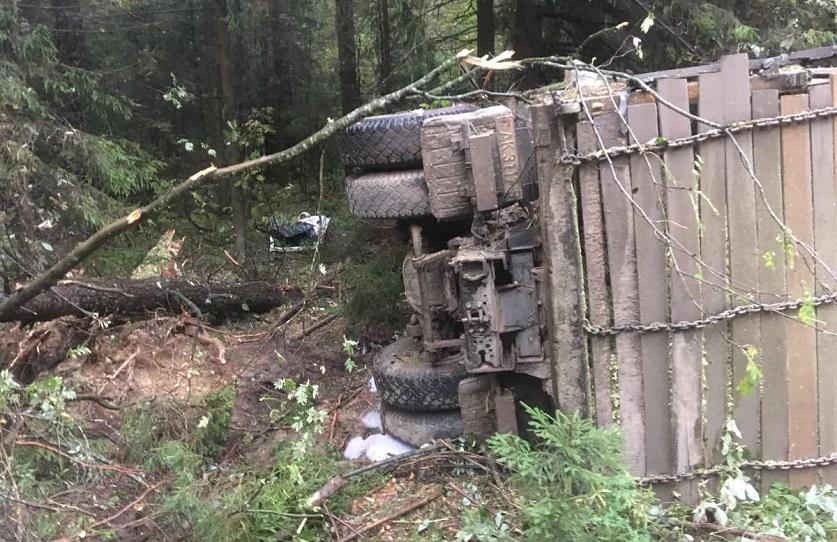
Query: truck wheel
[419, 428]
[393, 194]
[407, 383]
[390, 140]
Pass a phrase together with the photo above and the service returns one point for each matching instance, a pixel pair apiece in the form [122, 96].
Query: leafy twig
[129, 505]
[56, 451]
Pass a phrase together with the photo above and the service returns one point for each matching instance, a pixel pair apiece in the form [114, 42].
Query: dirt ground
[161, 359]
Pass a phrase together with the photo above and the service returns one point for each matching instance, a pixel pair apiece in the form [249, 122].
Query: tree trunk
[66, 32]
[126, 298]
[485, 27]
[347, 55]
[528, 38]
[232, 153]
[384, 48]
[68, 39]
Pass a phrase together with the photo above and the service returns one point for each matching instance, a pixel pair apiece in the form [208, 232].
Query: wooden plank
[743, 244]
[767, 154]
[595, 265]
[685, 291]
[801, 355]
[646, 176]
[562, 258]
[482, 169]
[600, 101]
[825, 244]
[713, 253]
[621, 251]
[797, 57]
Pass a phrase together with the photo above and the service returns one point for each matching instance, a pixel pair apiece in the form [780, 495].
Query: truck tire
[390, 140]
[407, 383]
[392, 194]
[419, 428]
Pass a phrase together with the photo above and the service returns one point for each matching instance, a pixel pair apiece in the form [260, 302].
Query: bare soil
[154, 359]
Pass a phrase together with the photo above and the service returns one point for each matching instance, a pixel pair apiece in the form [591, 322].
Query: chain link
[663, 144]
[755, 465]
[728, 314]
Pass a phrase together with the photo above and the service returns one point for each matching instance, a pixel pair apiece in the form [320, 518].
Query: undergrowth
[210, 500]
[376, 288]
[569, 484]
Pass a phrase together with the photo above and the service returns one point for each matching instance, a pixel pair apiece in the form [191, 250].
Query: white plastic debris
[374, 447]
[355, 448]
[320, 222]
[372, 387]
[372, 420]
[380, 447]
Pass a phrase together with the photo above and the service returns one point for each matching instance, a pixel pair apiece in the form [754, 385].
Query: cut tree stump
[27, 355]
[132, 299]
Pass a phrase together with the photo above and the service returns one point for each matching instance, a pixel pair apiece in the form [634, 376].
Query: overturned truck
[461, 180]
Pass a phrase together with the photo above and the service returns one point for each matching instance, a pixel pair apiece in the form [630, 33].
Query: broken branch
[322, 323]
[403, 511]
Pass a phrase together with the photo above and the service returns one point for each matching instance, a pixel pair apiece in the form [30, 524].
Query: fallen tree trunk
[127, 298]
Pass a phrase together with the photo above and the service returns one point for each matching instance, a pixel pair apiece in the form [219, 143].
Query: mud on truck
[461, 180]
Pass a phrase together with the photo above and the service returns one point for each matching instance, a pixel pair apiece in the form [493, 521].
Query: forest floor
[147, 362]
[150, 362]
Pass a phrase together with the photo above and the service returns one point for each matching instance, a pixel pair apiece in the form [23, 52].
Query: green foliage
[144, 427]
[9, 392]
[753, 376]
[120, 167]
[570, 484]
[377, 289]
[155, 431]
[61, 163]
[808, 312]
[297, 409]
[213, 426]
[250, 138]
[350, 348]
[245, 503]
[248, 504]
[808, 514]
[47, 397]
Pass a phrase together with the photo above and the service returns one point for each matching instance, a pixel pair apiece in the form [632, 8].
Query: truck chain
[728, 314]
[755, 465]
[660, 144]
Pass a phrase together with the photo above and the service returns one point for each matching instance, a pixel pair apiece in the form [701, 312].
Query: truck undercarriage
[474, 347]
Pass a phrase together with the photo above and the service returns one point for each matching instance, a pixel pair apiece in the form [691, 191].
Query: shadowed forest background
[104, 104]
